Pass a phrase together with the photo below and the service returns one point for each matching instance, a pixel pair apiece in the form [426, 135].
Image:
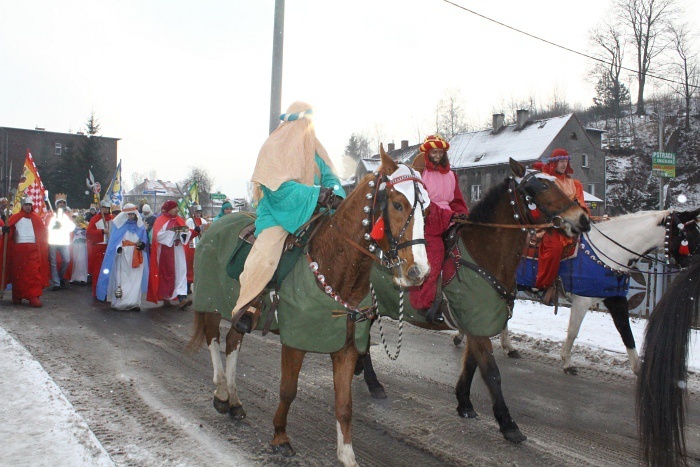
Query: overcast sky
[187, 83]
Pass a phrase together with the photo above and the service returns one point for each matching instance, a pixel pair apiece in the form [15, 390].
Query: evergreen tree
[90, 157]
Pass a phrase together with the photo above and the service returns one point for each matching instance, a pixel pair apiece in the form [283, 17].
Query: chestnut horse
[661, 386]
[343, 251]
[494, 236]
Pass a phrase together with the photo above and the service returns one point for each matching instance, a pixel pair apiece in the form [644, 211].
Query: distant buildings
[48, 149]
[480, 158]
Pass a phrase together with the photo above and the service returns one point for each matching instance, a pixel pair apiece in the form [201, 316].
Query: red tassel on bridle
[534, 212]
[378, 230]
[683, 250]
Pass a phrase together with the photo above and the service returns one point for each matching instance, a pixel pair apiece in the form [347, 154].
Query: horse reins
[669, 230]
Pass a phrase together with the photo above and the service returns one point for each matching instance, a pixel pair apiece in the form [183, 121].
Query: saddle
[291, 252]
[531, 250]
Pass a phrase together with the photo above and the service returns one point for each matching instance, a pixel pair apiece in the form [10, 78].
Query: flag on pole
[114, 193]
[183, 207]
[193, 193]
[30, 185]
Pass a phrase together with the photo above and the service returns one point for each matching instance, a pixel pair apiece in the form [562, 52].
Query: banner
[183, 207]
[30, 185]
[193, 193]
[114, 193]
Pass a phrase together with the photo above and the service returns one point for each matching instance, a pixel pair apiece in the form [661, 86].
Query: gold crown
[60, 197]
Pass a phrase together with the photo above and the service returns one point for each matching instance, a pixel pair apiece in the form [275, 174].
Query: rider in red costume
[554, 242]
[446, 201]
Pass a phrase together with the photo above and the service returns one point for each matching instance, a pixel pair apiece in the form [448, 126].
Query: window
[584, 160]
[476, 193]
[591, 188]
[57, 149]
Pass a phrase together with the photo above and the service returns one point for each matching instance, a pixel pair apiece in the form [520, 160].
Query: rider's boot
[433, 315]
[248, 320]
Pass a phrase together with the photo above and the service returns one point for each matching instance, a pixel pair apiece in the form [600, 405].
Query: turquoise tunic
[293, 203]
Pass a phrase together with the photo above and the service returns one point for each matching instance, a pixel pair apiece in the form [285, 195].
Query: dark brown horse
[661, 386]
[343, 251]
[495, 237]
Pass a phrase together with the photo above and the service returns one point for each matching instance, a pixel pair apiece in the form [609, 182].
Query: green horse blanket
[477, 308]
[305, 317]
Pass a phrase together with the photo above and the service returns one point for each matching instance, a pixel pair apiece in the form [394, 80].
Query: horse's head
[542, 194]
[396, 217]
[682, 240]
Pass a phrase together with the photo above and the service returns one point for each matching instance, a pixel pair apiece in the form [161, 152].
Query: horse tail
[198, 335]
[661, 387]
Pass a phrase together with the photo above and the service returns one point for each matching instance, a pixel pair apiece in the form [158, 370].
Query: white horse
[619, 243]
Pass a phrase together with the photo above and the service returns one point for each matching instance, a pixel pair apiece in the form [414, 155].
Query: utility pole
[662, 179]
[277, 56]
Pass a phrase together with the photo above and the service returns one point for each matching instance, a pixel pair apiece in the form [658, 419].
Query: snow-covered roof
[589, 198]
[163, 188]
[480, 148]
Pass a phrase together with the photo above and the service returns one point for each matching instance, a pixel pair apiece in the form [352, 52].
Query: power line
[650, 75]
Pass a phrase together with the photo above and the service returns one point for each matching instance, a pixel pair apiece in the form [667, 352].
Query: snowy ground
[41, 427]
[597, 336]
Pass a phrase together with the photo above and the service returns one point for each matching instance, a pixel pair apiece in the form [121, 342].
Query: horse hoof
[285, 449]
[514, 436]
[220, 406]
[237, 412]
[468, 413]
[456, 340]
[572, 370]
[378, 393]
[514, 354]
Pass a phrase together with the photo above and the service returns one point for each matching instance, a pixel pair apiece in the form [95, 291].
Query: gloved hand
[57, 226]
[5, 229]
[140, 246]
[197, 228]
[325, 196]
[459, 217]
[119, 250]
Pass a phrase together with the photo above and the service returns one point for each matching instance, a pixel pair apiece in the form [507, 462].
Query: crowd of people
[123, 252]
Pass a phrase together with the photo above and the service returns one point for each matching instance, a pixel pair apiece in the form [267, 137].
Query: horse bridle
[529, 186]
[390, 258]
[670, 220]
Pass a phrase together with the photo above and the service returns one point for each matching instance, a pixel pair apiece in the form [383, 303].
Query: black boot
[244, 325]
[434, 314]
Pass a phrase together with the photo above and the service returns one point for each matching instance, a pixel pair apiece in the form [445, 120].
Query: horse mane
[483, 210]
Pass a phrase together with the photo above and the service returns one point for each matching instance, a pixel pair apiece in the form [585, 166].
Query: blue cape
[115, 241]
[581, 275]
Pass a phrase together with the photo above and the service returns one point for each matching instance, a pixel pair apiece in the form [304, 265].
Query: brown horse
[494, 237]
[343, 251]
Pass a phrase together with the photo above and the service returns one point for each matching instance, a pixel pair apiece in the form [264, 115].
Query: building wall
[575, 139]
[14, 143]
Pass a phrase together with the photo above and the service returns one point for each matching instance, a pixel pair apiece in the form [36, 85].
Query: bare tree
[450, 118]
[686, 67]
[609, 47]
[647, 20]
[204, 179]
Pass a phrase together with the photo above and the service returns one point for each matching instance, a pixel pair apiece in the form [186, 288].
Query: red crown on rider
[61, 197]
[434, 142]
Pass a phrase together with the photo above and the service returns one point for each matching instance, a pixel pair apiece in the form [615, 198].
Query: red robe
[96, 249]
[437, 222]
[28, 263]
[554, 241]
[161, 262]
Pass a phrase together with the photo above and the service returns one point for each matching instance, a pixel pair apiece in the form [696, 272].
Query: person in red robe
[167, 274]
[554, 241]
[28, 255]
[197, 225]
[97, 234]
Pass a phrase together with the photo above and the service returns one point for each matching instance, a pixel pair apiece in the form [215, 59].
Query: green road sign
[663, 164]
[218, 196]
